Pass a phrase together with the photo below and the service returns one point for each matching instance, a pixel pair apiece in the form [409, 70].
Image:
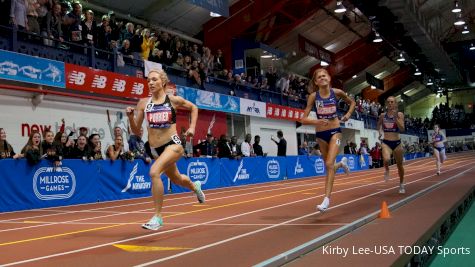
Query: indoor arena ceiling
[423, 31]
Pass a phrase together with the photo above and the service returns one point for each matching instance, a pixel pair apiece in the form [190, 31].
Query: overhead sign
[314, 50]
[216, 6]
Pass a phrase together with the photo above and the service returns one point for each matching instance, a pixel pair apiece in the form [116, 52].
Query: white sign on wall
[19, 119]
[253, 108]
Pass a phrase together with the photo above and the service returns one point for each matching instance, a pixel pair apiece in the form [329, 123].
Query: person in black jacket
[224, 149]
[258, 148]
[51, 149]
[281, 144]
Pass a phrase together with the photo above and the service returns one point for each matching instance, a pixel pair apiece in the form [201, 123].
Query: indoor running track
[238, 226]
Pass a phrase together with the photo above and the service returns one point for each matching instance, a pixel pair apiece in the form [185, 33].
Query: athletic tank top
[389, 124]
[326, 107]
[437, 138]
[160, 115]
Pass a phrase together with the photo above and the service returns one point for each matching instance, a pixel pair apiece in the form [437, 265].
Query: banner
[252, 170]
[284, 113]
[216, 6]
[208, 122]
[122, 179]
[24, 68]
[23, 186]
[253, 108]
[210, 100]
[205, 170]
[313, 50]
[104, 82]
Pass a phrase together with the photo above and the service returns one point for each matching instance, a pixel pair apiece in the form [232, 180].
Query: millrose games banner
[24, 68]
[210, 100]
[104, 82]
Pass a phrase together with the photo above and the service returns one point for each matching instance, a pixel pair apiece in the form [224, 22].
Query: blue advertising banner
[23, 186]
[124, 179]
[216, 6]
[24, 68]
[210, 100]
[252, 170]
[205, 170]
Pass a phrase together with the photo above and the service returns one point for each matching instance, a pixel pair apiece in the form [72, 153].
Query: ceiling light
[340, 8]
[354, 76]
[377, 38]
[465, 30]
[324, 63]
[401, 58]
[214, 15]
[456, 8]
[459, 21]
[438, 95]
[373, 87]
[430, 82]
[472, 47]
[417, 72]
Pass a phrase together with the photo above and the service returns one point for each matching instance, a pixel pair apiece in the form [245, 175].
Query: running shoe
[154, 224]
[324, 206]
[199, 193]
[402, 190]
[438, 172]
[344, 165]
[386, 175]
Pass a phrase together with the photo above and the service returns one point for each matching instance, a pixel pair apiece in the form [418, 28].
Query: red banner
[208, 121]
[284, 113]
[104, 82]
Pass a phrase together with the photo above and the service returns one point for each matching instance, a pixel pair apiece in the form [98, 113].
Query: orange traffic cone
[384, 214]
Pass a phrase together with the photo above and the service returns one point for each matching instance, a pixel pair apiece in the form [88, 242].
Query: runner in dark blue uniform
[390, 124]
[327, 125]
[438, 140]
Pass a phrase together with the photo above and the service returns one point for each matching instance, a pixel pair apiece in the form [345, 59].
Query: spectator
[89, 29]
[51, 149]
[316, 150]
[148, 43]
[128, 33]
[18, 14]
[303, 149]
[32, 16]
[95, 146]
[376, 156]
[33, 151]
[126, 51]
[206, 147]
[6, 150]
[257, 147]
[218, 61]
[246, 148]
[81, 150]
[116, 151]
[224, 149]
[235, 149]
[137, 146]
[52, 25]
[281, 144]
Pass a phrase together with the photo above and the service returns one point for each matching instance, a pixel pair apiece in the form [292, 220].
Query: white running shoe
[402, 189]
[438, 172]
[154, 224]
[386, 175]
[324, 206]
[199, 193]
[344, 165]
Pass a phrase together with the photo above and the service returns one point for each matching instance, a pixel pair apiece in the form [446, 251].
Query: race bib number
[176, 139]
